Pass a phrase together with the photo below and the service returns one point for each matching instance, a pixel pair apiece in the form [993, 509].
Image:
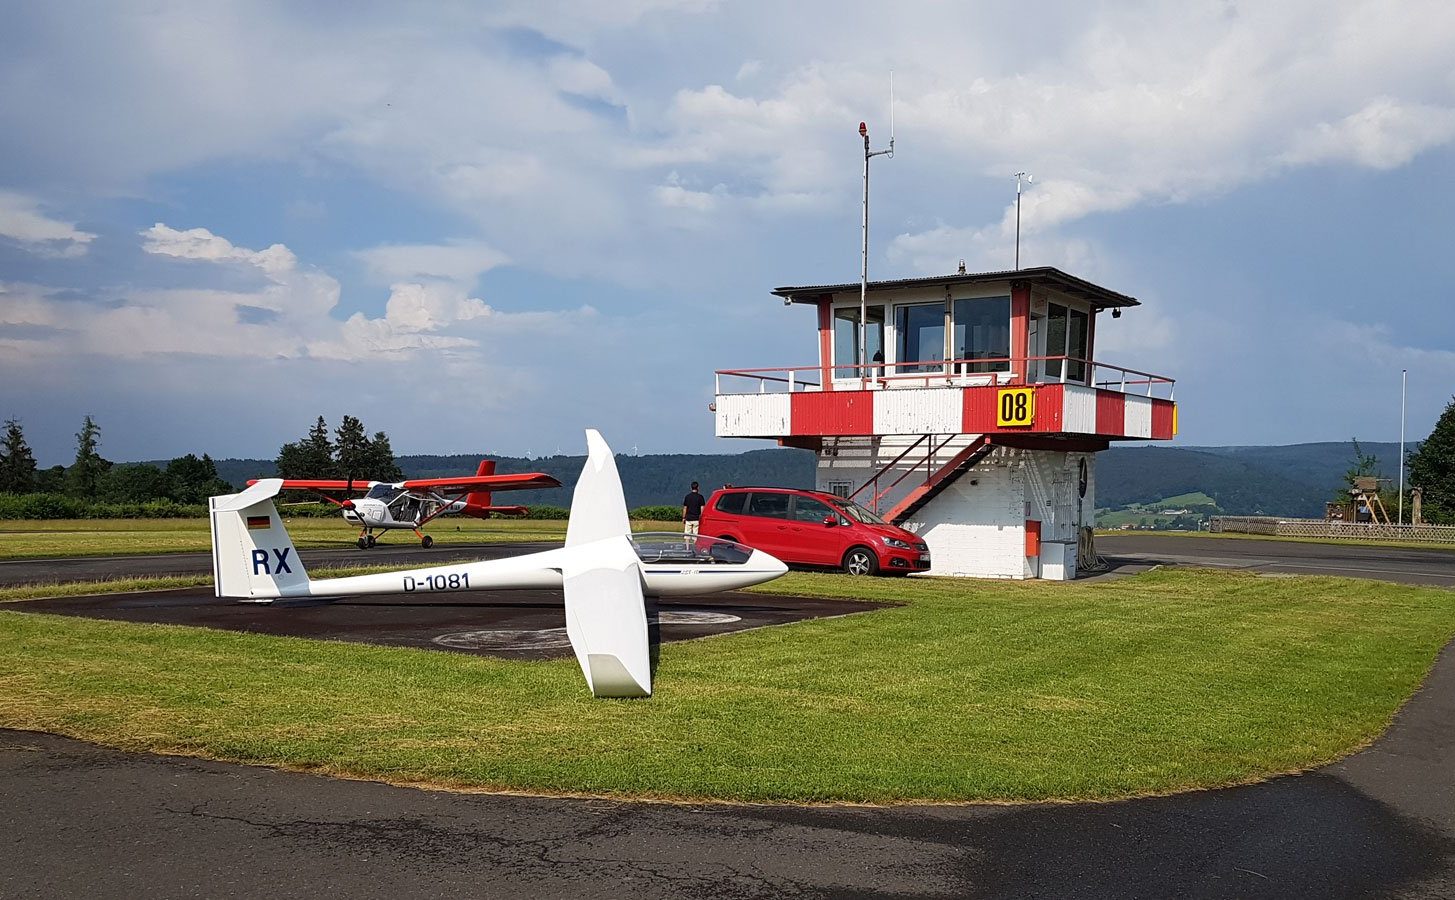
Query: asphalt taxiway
[510, 624]
[1398, 564]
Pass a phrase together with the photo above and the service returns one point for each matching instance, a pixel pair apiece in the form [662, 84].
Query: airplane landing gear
[426, 542]
[366, 541]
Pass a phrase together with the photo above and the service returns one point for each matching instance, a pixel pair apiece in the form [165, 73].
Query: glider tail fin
[253, 559]
[598, 505]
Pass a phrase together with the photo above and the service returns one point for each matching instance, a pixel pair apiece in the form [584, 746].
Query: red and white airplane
[415, 503]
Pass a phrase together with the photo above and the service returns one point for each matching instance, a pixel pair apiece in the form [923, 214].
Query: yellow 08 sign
[1017, 408]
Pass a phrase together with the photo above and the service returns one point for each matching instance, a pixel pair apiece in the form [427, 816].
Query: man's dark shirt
[694, 502]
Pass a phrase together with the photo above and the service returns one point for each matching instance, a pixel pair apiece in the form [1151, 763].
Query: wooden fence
[1319, 528]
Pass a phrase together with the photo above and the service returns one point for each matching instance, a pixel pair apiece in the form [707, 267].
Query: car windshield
[383, 492]
[854, 510]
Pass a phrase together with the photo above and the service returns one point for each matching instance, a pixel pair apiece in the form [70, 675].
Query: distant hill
[1287, 480]
[1127, 476]
[1290, 480]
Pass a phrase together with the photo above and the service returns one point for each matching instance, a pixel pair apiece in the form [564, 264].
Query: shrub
[547, 512]
[658, 513]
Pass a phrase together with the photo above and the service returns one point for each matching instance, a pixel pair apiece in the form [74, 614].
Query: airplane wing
[468, 483]
[358, 485]
[606, 618]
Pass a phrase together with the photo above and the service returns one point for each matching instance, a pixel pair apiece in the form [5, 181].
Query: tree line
[95, 487]
[187, 479]
[350, 453]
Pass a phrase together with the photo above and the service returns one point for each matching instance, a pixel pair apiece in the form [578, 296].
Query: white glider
[604, 569]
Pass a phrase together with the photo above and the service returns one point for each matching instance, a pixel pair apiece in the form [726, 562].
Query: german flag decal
[255, 522]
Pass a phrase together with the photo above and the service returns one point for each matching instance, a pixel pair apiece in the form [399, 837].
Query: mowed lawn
[55, 538]
[968, 691]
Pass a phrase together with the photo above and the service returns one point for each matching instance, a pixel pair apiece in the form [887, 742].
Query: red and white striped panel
[1059, 409]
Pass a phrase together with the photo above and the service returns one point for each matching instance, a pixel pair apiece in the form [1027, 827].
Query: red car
[812, 528]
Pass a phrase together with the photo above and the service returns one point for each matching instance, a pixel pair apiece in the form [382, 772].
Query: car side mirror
[831, 520]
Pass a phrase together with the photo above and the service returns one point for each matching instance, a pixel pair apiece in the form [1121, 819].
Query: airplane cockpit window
[382, 492]
[673, 548]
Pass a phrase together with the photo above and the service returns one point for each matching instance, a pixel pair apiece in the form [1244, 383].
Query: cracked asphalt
[81, 820]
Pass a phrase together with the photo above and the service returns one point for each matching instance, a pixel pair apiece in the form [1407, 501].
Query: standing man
[692, 506]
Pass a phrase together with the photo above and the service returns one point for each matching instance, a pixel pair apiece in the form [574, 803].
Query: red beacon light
[863, 130]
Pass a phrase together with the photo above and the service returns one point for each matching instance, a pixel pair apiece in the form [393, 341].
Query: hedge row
[60, 506]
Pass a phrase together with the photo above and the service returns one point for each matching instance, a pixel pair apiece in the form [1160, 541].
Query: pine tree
[381, 459]
[1432, 469]
[84, 476]
[193, 480]
[17, 463]
[351, 450]
[311, 457]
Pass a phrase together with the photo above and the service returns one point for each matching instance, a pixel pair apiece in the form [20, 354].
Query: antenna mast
[864, 268]
[1029, 179]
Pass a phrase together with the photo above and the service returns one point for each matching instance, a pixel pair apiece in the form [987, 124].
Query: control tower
[974, 417]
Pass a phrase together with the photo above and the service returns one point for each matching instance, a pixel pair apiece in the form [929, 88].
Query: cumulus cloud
[1385, 134]
[289, 317]
[199, 243]
[22, 221]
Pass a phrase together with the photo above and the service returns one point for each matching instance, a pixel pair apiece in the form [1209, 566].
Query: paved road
[84, 821]
[100, 568]
[1406, 565]
[1131, 551]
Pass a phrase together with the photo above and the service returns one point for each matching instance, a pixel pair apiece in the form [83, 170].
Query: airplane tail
[477, 503]
[253, 559]
[606, 613]
[480, 500]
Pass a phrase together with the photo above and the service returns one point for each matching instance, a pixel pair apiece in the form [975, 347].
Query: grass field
[50, 539]
[967, 691]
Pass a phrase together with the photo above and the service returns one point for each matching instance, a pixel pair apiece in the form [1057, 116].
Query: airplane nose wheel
[366, 541]
[426, 542]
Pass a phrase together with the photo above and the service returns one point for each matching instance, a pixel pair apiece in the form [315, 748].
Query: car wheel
[860, 561]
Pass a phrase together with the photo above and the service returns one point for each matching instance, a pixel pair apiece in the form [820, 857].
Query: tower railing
[951, 373]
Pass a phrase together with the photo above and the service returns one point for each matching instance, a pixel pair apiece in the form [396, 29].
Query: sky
[483, 227]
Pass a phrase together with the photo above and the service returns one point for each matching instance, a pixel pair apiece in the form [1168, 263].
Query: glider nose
[770, 565]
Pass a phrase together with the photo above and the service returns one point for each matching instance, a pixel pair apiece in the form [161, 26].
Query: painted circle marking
[694, 617]
[539, 639]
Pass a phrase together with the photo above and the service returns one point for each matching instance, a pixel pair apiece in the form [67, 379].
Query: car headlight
[896, 543]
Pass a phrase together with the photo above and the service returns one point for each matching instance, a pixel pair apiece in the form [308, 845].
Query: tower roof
[1098, 296]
